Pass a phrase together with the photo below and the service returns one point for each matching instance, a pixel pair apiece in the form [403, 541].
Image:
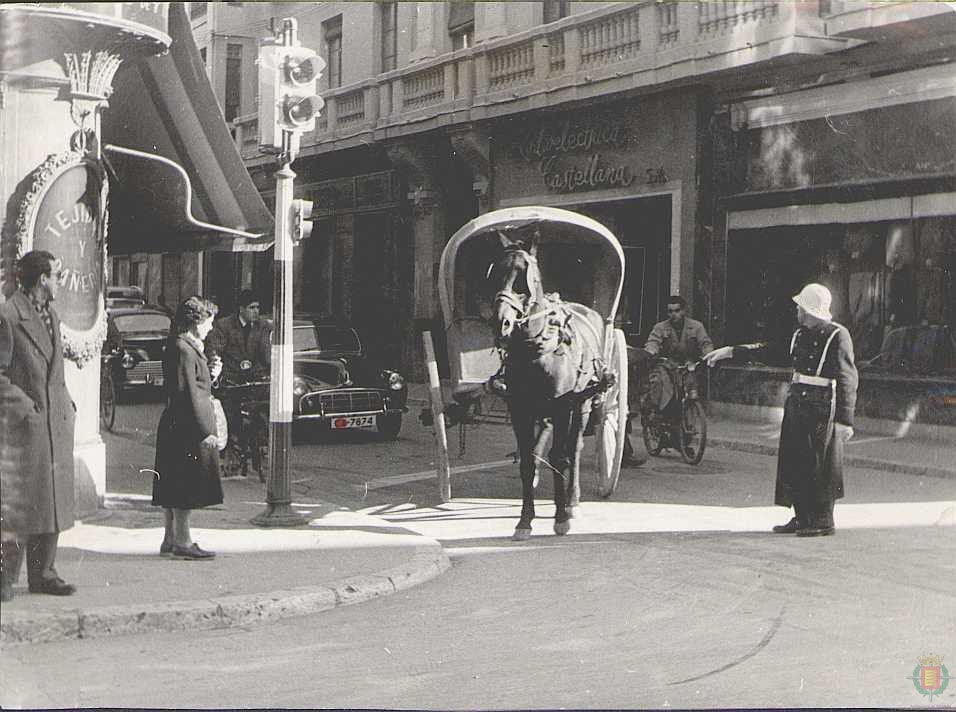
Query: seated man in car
[243, 342]
[680, 339]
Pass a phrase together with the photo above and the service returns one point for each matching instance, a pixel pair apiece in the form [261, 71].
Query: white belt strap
[823, 356]
[806, 380]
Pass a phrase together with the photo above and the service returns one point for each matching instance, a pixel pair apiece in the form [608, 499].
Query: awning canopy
[177, 181]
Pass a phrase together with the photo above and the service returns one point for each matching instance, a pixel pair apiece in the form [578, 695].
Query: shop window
[461, 24]
[892, 285]
[554, 10]
[332, 32]
[233, 99]
[389, 18]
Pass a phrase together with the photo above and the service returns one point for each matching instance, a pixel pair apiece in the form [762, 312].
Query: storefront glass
[892, 282]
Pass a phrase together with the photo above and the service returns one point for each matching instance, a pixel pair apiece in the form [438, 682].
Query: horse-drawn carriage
[529, 297]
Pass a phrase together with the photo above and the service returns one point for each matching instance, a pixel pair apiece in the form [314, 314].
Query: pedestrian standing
[187, 455]
[37, 417]
[817, 416]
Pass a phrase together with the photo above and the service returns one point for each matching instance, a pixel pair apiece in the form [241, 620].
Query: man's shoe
[52, 587]
[816, 531]
[192, 552]
[166, 548]
[632, 461]
[789, 528]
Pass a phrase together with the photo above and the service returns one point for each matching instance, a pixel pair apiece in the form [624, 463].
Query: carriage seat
[473, 357]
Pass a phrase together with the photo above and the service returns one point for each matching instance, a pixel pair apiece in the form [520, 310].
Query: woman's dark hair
[192, 310]
[32, 265]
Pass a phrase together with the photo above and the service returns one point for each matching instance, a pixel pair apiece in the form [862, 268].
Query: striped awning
[177, 181]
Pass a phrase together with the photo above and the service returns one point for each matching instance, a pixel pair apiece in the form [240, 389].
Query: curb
[242, 609]
[866, 462]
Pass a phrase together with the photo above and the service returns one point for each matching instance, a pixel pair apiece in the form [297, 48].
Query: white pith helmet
[815, 300]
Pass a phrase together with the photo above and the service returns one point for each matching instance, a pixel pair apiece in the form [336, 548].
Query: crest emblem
[930, 677]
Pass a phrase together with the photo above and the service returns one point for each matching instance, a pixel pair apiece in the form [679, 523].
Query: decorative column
[419, 165]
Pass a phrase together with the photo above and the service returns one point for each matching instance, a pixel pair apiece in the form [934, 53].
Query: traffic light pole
[279, 511]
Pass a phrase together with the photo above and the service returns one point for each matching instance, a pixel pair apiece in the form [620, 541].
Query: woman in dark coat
[187, 458]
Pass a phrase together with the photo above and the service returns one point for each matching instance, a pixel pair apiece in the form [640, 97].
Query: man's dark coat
[37, 417]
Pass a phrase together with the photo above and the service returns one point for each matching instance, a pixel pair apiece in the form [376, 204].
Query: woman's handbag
[222, 425]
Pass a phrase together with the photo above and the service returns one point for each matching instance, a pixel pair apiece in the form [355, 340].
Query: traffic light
[301, 220]
[288, 77]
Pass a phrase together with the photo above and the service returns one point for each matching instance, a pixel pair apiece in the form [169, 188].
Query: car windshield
[334, 338]
[142, 322]
[324, 338]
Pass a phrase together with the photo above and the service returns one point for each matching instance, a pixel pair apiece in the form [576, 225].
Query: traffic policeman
[818, 414]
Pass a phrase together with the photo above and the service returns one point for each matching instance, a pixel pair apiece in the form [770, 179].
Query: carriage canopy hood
[556, 227]
[177, 181]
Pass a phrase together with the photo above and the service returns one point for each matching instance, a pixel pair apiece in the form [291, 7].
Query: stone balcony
[873, 20]
[623, 47]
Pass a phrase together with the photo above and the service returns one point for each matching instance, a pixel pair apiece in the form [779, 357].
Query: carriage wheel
[611, 427]
[651, 432]
[107, 400]
[693, 432]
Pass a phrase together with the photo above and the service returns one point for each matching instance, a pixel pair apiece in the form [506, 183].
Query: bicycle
[246, 407]
[683, 427]
[107, 392]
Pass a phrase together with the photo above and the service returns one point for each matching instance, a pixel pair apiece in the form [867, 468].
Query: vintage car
[118, 297]
[136, 339]
[337, 385]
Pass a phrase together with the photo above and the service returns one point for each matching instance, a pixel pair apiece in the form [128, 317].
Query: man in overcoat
[243, 341]
[37, 418]
[817, 417]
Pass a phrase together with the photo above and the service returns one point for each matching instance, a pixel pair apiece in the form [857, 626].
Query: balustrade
[424, 88]
[715, 16]
[610, 39]
[511, 66]
[350, 108]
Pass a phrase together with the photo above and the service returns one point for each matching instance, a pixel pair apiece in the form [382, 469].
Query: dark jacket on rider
[234, 344]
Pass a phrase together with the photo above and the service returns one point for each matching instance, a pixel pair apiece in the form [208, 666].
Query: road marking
[876, 439]
[382, 482]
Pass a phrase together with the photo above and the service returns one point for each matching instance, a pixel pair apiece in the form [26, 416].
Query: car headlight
[394, 380]
[128, 361]
[299, 386]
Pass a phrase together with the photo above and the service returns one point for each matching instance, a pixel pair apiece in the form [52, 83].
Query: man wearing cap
[817, 417]
[243, 341]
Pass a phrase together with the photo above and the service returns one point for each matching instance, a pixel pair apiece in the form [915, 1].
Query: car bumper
[338, 403]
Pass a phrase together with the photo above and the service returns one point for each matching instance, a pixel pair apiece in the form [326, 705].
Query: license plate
[354, 421]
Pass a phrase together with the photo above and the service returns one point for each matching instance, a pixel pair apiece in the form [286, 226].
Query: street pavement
[375, 525]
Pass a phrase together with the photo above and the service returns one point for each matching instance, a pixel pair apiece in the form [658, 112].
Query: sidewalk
[124, 586]
[758, 431]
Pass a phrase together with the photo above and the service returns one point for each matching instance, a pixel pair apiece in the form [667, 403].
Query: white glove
[719, 355]
[844, 431]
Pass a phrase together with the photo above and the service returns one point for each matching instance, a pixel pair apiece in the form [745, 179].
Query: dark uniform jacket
[37, 417]
[228, 340]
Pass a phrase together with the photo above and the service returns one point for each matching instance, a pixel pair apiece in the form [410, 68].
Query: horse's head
[516, 281]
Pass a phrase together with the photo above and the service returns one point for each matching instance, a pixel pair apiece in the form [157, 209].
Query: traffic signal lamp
[301, 220]
[288, 78]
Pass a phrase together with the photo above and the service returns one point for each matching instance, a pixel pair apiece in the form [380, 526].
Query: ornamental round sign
[63, 214]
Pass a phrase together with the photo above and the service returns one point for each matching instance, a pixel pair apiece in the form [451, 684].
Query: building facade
[737, 149]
